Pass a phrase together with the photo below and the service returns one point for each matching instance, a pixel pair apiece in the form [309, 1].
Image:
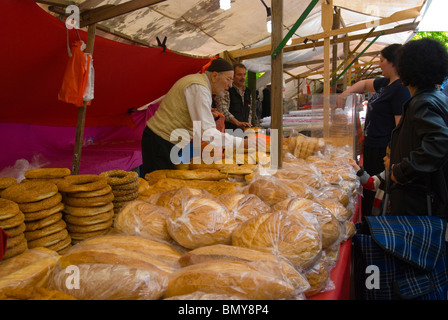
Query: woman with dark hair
[384, 110]
[419, 144]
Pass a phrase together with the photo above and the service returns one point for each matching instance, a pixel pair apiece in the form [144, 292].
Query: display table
[340, 275]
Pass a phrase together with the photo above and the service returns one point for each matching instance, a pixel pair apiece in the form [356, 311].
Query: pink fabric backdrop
[26, 146]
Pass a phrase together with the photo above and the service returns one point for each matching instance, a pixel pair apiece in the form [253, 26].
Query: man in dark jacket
[419, 143]
[236, 105]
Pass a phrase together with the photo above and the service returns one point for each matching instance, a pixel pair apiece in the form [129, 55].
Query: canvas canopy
[132, 70]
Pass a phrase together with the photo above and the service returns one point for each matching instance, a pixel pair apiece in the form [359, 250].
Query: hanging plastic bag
[88, 92]
[75, 76]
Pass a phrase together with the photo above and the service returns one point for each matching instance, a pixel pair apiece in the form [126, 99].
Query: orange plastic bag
[75, 76]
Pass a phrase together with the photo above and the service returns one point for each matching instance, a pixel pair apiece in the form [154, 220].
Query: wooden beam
[277, 86]
[327, 22]
[396, 17]
[112, 11]
[57, 3]
[89, 4]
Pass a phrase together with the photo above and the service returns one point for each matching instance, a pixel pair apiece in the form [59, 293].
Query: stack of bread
[210, 180]
[145, 219]
[242, 273]
[88, 208]
[201, 220]
[125, 185]
[30, 269]
[53, 175]
[302, 146]
[40, 202]
[243, 206]
[12, 221]
[5, 182]
[117, 267]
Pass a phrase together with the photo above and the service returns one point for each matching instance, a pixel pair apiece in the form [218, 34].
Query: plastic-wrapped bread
[243, 206]
[199, 295]
[142, 218]
[266, 261]
[116, 267]
[201, 220]
[336, 208]
[279, 232]
[229, 278]
[270, 190]
[31, 268]
[173, 198]
[329, 225]
[318, 277]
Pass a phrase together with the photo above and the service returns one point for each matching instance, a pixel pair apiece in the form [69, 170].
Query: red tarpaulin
[33, 60]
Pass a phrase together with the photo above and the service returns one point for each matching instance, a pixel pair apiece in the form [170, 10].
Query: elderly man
[187, 103]
[235, 104]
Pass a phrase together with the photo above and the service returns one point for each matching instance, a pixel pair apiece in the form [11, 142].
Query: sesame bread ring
[14, 251]
[52, 180]
[128, 197]
[93, 227]
[47, 173]
[45, 231]
[123, 192]
[119, 177]
[8, 209]
[94, 193]
[30, 191]
[62, 244]
[128, 186]
[48, 240]
[15, 231]
[84, 182]
[37, 215]
[41, 204]
[12, 222]
[80, 236]
[42, 223]
[6, 182]
[13, 241]
[87, 211]
[86, 221]
[89, 202]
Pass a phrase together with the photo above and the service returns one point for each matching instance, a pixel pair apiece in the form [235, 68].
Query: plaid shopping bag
[400, 257]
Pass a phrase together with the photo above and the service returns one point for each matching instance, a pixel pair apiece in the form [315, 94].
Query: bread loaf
[200, 221]
[143, 218]
[328, 224]
[229, 278]
[31, 268]
[270, 190]
[173, 198]
[265, 261]
[318, 277]
[117, 267]
[293, 236]
[243, 206]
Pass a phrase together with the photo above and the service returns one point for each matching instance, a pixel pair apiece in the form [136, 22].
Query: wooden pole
[252, 85]
[327, 22]
[277, 86]
[82, 110]
[334, 62]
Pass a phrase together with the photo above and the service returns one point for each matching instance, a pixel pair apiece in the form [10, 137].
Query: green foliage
[442, 36]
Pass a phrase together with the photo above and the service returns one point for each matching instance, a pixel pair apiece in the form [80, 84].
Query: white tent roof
[200, 28]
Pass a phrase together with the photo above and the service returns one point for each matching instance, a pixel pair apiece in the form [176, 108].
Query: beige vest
[173, 111]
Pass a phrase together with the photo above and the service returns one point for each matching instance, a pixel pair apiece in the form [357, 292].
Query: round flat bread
[30, 191]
